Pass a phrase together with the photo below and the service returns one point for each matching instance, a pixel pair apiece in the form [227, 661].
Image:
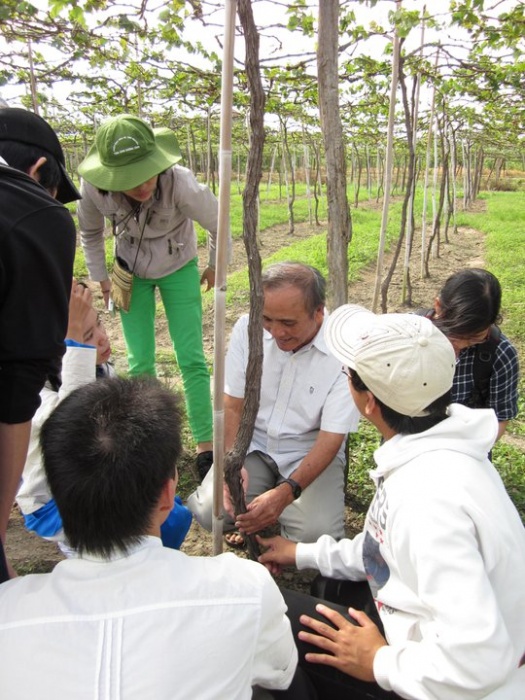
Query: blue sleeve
[73, 344]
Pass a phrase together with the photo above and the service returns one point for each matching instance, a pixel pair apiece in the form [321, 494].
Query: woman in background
[130, 177]
[487, 371]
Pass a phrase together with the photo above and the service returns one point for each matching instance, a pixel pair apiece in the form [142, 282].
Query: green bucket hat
[128, 152]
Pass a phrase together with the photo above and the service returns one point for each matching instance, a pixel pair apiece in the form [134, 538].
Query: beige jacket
[169, 240]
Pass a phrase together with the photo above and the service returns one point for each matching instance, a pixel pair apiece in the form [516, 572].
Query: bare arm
[232, 418]
[80, 304]
[91, 223]
[320, 456]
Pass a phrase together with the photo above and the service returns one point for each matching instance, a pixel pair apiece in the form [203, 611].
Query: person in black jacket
[37, 249]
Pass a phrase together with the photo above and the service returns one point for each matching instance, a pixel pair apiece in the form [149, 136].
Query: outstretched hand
[279, 552]
[208, 278]
[80, 304]
[347, 647]
[105, 288]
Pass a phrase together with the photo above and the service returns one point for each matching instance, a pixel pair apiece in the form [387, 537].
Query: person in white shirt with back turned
[130, 618]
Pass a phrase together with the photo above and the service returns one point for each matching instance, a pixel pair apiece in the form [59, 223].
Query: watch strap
[296, 488]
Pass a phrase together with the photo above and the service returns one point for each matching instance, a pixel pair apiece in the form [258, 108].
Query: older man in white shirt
[295, 463]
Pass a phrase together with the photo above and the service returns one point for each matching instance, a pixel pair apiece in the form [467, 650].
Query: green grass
[360, 487]
[510, 462]
[273, 210]
[504, 226]
[362, 251]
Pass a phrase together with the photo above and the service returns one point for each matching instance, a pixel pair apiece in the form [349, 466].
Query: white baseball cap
[405, 361]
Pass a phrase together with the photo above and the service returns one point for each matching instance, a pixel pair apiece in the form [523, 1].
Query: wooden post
[225, 169]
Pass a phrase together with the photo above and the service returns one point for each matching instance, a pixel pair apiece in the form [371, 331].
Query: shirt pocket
[161, 222]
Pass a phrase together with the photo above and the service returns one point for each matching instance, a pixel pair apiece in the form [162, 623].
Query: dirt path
[29, 553]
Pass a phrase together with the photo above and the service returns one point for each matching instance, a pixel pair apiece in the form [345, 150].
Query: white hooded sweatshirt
[443, 548]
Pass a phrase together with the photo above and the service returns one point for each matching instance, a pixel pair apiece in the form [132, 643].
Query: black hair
[307, 278]
[108, 450]
[470, 302]
[22, 156]
[407, 425]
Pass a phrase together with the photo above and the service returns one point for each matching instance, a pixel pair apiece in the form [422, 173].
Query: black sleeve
[20, 385]
[37, 250]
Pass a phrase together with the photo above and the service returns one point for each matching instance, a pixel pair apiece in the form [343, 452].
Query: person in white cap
[442, 549]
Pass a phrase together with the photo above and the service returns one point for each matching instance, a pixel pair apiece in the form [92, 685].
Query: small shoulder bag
[121, 284]
[121, 275]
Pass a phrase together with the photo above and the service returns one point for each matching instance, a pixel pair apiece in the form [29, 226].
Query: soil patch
[28, 553]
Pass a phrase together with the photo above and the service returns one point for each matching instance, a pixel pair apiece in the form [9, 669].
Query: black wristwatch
[296, 489]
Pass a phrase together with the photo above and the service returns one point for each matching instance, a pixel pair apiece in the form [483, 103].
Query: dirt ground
[28, 553]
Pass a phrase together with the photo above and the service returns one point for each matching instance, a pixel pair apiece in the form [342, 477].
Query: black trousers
[330, 683]
[301, 688]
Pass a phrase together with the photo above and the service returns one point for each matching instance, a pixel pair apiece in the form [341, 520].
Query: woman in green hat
[130, 178]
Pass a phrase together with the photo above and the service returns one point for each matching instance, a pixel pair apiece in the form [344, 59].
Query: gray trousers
[319, 510]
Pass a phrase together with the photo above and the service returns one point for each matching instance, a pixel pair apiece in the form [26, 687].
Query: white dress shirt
[301, 393]
[156, 624]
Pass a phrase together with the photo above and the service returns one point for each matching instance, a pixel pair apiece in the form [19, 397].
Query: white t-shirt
[156, 624]
[301, 393]
[78, 369]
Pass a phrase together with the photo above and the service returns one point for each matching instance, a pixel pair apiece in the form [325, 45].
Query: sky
[272, 46]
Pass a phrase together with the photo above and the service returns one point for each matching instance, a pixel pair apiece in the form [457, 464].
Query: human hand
[105, 287]
[208, 278]
[349, 648]
[279, 552]
[264, 510]
[80, 304]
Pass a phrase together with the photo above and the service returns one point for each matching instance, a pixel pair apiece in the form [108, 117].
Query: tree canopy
[79, 61]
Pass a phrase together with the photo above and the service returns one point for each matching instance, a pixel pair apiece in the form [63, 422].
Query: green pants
[181, 296]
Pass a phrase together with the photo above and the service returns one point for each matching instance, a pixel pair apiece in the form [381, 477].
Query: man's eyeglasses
[347, 371]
